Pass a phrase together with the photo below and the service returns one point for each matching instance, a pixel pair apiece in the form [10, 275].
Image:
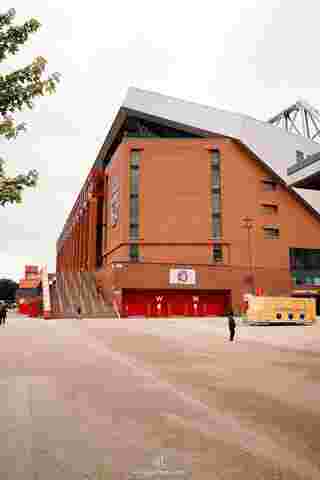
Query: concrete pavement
[86, 399]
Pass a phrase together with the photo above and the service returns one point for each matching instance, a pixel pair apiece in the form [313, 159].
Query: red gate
[169, 303]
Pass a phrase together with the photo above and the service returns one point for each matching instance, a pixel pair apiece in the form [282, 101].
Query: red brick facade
[175, 208]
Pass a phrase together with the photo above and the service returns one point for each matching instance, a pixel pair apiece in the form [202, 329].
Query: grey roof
[275, 147]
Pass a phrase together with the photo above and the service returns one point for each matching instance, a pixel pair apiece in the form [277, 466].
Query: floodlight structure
[301, 118]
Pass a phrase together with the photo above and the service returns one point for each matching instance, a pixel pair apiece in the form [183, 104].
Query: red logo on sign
[182, 276]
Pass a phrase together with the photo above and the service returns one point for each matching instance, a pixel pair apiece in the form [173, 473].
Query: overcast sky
[246, 56]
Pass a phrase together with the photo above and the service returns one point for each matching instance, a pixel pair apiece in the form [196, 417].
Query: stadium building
[186, 210]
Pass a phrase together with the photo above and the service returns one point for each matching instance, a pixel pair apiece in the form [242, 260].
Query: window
[216, 202]
[217, 253]
[215, 193]
[134, 231]
[269, 185]
[215, 177]
[134, 252]
[267, 209]
[134, 181]
[304, 259]
[215, 158]
[271, 232]
[135, 158]
[134, 209]
[306, 277]
[216, 226]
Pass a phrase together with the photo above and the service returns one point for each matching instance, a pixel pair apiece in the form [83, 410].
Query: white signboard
[182, 276]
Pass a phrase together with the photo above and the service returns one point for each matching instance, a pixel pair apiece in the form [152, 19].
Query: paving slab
[90, 398]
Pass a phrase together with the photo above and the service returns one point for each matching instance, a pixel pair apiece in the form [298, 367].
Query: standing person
[4, 318]
[232, 325]
[79, 311]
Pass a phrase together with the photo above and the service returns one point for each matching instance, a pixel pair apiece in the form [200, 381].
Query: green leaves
[12, 37]
[11, 188]
[18, 90]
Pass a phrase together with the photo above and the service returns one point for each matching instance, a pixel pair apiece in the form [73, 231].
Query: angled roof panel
[275, 147]
[186, 113]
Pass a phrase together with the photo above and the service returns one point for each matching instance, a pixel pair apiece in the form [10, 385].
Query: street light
[247, 223]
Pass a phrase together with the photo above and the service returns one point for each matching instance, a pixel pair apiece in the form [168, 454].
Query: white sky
[247, 56]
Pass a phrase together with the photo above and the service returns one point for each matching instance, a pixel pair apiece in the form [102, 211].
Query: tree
[8, 290]
[18, 89]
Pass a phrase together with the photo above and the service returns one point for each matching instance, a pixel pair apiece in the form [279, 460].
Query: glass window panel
[134, 230]
[215, 158]
[215, 172]
[134, 209]
[216, 207]
[134, 181]
[300, 258]
[269, 185]
[271, 233]
[217, 253]
[134, 252]
[314, 261]
[304, 259]
[216, 226]
[293, 258]
[135, 158]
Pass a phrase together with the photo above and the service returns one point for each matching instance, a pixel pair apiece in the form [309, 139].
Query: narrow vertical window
[217, 253]
[134, 252]
[134, 177]
[215, 193]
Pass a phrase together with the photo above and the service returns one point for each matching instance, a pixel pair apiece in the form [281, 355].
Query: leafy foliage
[11, 187]
[18, 89]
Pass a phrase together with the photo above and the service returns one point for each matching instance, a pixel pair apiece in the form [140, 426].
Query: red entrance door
[159, 305]
[174, 303]
[180, 304]
[213, 305]
[135, 304]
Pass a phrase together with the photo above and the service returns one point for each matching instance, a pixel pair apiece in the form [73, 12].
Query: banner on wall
[115, 200]
[182, 276]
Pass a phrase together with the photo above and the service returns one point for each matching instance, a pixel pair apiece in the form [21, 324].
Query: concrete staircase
[73, 290]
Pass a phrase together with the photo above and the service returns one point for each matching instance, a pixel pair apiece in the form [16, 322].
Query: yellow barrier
[281, 309]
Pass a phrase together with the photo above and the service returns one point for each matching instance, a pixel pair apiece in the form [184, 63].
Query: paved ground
[79, 395]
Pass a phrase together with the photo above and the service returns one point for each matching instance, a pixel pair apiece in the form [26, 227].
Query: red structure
[28, 296]
[160, 217]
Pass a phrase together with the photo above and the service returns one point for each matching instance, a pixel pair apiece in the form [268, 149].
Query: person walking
[4, 314]
[232, 325]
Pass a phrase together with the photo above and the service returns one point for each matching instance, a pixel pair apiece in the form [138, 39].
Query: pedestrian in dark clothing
[232, 325]
[4, 314]
[79, 311]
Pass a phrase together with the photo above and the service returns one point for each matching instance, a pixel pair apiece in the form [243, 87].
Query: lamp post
[248, 225]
